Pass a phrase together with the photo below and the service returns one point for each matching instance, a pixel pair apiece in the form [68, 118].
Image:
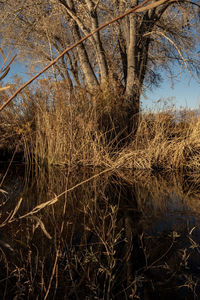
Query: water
[116, 236]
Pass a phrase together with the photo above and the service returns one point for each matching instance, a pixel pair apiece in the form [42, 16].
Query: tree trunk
[132, 91]
[101, 58]
[137, 58]
[82, 53]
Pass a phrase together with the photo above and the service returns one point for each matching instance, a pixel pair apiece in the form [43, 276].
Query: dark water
[111, 236]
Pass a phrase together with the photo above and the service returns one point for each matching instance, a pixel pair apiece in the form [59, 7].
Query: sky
[184, 94]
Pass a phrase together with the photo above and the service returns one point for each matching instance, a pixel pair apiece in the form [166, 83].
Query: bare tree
[131, 53]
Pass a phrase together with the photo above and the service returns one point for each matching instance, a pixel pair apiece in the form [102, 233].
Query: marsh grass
[164, 142]
[55, 127]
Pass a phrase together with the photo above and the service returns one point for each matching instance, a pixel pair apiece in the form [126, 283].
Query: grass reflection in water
[111, 236]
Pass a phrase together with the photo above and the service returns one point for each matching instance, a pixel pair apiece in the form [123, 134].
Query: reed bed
[164, 142]
[55, 127]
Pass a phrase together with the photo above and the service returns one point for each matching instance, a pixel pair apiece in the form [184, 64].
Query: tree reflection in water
[118, 236]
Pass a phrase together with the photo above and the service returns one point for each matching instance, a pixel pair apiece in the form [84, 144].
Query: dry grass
[164, 143]
[78, 129]
[54, 127]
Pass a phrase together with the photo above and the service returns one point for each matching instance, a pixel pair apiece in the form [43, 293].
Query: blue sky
[185, 92]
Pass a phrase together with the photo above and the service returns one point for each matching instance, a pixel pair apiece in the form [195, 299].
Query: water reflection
[114, 236]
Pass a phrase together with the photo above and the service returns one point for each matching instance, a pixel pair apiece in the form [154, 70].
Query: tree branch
[139, 8]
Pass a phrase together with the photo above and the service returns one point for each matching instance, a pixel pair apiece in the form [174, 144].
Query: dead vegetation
[55, 128]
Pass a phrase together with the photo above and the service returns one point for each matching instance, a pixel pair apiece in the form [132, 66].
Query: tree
[131, 53]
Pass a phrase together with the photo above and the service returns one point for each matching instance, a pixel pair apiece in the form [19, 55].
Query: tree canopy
[130, 54]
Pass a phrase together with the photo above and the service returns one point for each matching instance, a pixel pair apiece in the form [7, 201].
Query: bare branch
[139, 8]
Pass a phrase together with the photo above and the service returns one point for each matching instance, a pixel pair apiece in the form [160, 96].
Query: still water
[109, 236]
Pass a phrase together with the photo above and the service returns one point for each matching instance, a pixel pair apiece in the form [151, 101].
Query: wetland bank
[82, 218]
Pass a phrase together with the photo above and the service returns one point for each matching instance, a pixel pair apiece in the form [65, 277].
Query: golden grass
[164, 143]
[55, 128]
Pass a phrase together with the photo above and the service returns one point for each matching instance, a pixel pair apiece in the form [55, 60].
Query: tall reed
[164, 142]
[55, 126]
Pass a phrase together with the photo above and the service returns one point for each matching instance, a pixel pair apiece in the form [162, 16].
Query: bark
[131, 54]
[82, 53]
[132, 90]
[101, 58]
[137, 59]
